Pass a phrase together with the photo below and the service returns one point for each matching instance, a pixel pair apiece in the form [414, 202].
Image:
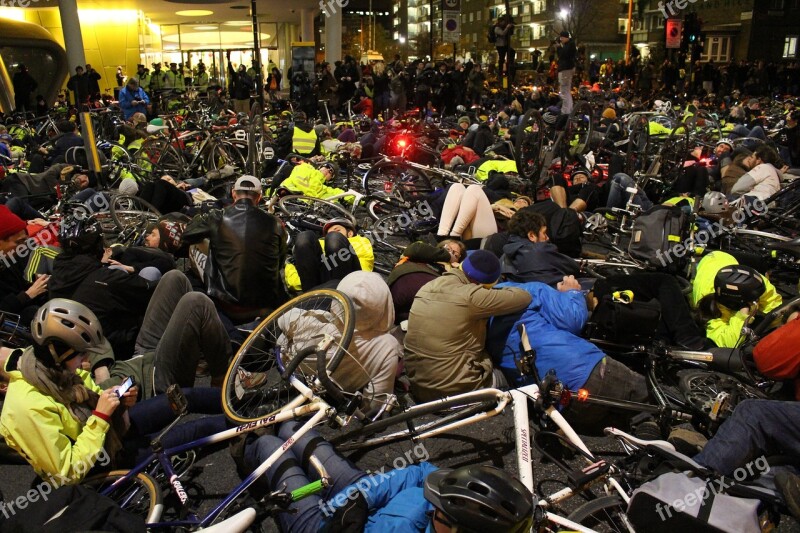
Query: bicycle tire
[528, 145]
[256, 359]
[140, 495]
[577, 132]
[607, 513]
[220, 153]
[159, 156]
[127, 217]
[397, 182]
[363, 437]
[638, 143]
[314, 211]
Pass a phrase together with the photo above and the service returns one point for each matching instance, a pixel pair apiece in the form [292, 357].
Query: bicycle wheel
[131, 212]
[675, 151]
[638, 141]
[253, 386]
[578, 131]
[219, 154]
[603, 514]
[412, 422]
[158, 155]
[305, 212]
[139, 495]
[397, 184]
[701, 387]
[528, 145]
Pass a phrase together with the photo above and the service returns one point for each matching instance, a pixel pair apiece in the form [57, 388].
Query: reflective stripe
[302, 142]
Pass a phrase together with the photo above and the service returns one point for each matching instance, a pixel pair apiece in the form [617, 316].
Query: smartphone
[125, 387]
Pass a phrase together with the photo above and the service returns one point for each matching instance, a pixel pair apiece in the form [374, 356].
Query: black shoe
[687, 441]
[789, 486]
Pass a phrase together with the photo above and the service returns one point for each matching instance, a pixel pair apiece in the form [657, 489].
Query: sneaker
[687, 441]
[247, 381]
[789, 486]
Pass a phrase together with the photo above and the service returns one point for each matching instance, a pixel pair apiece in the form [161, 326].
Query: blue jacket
[395, 499]
[553, 321]
[126, 98]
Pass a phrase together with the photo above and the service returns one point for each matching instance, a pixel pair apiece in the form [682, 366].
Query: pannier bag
[675, 502]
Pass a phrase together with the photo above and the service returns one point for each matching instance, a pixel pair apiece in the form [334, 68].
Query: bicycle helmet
[65, 328]
[338, 222]
[660, 106]
[714, 202]
[736, 286]
[333, 166]
[481, 498]
[80, 234]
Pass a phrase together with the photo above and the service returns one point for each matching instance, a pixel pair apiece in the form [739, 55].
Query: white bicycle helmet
[714, 202]
[660, 106]
[66, 325]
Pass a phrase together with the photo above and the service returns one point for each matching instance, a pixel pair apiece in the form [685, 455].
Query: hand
[106, 255]
[745, 310]
[130, 397]
[39, 286]
[108, 402]
[569, 283]
[128, 269]
[39, 222]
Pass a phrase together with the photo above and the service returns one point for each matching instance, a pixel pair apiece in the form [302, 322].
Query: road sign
[674, 28]
[451, 26]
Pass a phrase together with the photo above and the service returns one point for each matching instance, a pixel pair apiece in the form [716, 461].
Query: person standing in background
[24, 85]
[567, 56]
[94, 82]
[503, 32]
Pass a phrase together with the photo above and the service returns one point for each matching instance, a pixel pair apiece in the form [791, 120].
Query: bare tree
[575, 16]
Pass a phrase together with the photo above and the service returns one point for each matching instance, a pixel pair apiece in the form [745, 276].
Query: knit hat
[482, 267]
[138, 118]
[609, 114]
[10, 224]
[171, 234]
[465, 118]
[128, 186]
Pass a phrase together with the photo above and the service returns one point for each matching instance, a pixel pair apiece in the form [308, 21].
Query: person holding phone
[61, 421]
[133, 99]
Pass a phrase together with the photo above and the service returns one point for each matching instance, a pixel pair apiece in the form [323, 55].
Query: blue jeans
[150, 416]
[756, 428]
[741, 131]
[618, 196]
[291, 468]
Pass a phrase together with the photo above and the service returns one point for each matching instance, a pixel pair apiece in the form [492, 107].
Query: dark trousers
[150, 416]
[756, 428]
[677, 325]
[316, 267]
[292, 470]
[609, 379]
[182, 326]
[21, 208]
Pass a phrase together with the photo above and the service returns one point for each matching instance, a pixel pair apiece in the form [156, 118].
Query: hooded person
[373, 346]
[371, 359]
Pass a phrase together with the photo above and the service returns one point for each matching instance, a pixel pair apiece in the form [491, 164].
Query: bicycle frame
[316, 407]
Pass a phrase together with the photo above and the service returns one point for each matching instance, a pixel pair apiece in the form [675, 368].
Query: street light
[563, 14]
[402, 40]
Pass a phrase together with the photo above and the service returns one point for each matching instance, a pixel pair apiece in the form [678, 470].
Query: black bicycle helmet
[344, 222]
[738, 285]
[64, 328]
[80, 234]
[481, 498]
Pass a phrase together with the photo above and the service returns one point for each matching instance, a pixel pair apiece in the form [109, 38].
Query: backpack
[492, 36]
[658, 238]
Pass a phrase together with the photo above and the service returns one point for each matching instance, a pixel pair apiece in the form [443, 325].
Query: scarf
[68, 389]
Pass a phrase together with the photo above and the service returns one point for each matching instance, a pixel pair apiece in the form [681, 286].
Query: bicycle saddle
[792, 247]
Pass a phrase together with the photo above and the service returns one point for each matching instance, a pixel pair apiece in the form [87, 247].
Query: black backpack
[492, 36]
[658, 238]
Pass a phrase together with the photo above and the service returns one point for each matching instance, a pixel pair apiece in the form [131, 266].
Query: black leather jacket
[247, 251]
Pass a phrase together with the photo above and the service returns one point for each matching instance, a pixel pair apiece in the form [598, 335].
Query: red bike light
[402, 143]
[566, 397]
[583, 395]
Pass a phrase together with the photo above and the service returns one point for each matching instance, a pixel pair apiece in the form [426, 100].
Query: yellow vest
[503, 166]
[361, 246]
[303, 143]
